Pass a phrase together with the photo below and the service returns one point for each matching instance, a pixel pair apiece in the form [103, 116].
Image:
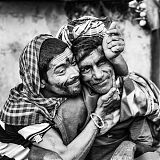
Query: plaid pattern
[140, 98]
[86, 26]
[25, 105]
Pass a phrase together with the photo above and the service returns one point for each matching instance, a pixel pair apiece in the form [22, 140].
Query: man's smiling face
[97, 72]
[63, 75]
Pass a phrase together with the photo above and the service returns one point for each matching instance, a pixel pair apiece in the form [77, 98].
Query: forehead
[93, 57]
[61, 58]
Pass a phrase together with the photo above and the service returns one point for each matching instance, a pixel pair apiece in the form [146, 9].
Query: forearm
[120, 65]
[37, 153]
[79, 148]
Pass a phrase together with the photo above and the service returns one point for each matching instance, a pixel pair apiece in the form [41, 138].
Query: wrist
[98, 121]
[114, 58]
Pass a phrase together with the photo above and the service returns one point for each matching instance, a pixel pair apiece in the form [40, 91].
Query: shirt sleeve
[34, 132]
[12, 145]
[140, 97]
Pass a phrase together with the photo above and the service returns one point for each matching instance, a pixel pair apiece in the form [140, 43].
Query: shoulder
[134, 80]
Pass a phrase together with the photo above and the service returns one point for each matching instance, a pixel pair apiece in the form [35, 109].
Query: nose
[97, 73]
[74, 72]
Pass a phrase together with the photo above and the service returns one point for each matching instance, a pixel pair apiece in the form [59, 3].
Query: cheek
[56, 80]
[107, 69]
[61, 80]
[86, 77]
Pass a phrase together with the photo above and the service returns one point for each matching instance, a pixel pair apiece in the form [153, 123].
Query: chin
[75, 91]
[103, 90]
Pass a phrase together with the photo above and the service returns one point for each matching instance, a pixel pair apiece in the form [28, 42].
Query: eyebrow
[68, 59]
[102, 58]
[85, 65]
[61, 65]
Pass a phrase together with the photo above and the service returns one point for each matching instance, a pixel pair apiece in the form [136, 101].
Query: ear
[43, 83]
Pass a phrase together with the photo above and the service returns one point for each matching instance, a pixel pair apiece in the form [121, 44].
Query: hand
[107, 103]
[110, 121]
[113, 43]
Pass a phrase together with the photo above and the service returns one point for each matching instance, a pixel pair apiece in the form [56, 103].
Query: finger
[113, 31]
[109, 94]
[112, 100]
[114, 81]
[116, 37]
[106, 38]
[117, 48]
[115, 96]
[115, 43]
[111, 107]
[109, 39]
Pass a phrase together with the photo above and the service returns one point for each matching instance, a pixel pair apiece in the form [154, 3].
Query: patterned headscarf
[86, 26]
[25, 105]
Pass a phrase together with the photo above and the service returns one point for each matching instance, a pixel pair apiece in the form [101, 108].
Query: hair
[50, 48]
[83, 46]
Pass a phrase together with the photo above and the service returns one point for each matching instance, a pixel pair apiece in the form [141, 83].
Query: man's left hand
[113, 43]
[111, 100]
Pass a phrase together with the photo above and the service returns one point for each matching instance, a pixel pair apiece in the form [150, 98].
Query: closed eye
[73, 63]
[101, 62]
[60, 70]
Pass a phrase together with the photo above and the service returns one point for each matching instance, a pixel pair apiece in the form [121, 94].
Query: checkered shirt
[25, 105]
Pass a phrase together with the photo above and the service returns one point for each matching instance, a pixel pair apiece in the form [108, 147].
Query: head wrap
[25, 105]
[86, 26]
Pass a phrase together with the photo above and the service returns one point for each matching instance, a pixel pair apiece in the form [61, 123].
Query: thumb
[108, 95]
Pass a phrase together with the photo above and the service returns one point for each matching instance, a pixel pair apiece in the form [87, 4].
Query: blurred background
[21, 20]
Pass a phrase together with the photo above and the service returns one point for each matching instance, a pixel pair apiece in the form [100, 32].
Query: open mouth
[75, 83]
[104, 82]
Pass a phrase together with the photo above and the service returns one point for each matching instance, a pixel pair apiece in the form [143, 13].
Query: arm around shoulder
[52, 145]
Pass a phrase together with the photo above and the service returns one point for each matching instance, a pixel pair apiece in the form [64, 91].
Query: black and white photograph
[79, 79]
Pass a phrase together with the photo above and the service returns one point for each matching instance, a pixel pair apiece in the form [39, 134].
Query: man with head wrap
[37, 98]
[118, 102]
[71, 120]
[139, 97]
[41, 102]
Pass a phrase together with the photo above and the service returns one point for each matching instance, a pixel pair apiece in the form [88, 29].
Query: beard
[73, 87]
[69, 88]
[73, 90]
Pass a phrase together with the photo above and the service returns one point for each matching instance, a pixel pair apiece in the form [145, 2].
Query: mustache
[72, 81]
[96, 82]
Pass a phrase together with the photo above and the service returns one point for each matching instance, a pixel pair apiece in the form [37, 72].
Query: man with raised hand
[46, 107]
[123, 99]
[114, 95]
[97, 59]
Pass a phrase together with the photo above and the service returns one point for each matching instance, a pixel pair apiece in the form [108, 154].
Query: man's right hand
[108, 102]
